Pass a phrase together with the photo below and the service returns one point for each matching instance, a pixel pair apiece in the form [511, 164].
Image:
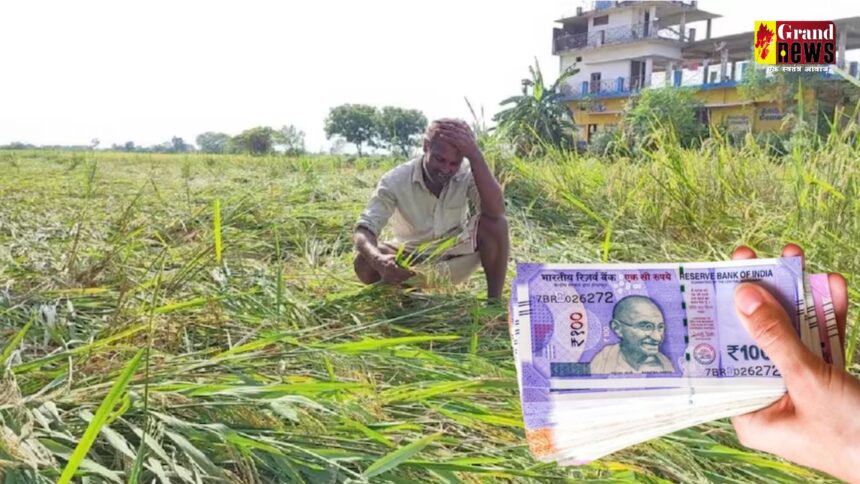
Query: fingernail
[748, 298]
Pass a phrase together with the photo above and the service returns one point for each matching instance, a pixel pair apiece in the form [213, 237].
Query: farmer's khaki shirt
[416, 215]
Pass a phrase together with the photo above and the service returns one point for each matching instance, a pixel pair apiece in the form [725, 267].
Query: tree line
[390, 128]
[397, 130]
[260, 140]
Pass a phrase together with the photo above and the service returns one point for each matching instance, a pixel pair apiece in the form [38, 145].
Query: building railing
[614, 35]
[623, 86]
[604, 4]
[620, 85]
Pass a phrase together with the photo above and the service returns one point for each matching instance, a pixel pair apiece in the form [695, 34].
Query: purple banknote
[603, 327]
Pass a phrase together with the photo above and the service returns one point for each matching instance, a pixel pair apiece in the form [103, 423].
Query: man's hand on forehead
[456, 133]
[451, 124]
[456, 125]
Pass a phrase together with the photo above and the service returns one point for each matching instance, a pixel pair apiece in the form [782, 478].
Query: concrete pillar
[649, 69]
[841, 39]
[670, 73]
[724, 61]
[708, 29]
[733, 74]
[683, 26]
[652, 24]
[705, 71]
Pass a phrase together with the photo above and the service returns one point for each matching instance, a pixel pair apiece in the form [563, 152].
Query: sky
[145, 71]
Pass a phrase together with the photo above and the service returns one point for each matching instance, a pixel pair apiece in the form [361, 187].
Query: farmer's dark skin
[442, 159]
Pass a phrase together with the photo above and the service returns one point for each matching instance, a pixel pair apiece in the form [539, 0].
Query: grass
[265, 361]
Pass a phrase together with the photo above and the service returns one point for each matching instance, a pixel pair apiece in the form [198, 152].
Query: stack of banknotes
[611, 355]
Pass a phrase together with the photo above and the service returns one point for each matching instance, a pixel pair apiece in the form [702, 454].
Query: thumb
[766, 321]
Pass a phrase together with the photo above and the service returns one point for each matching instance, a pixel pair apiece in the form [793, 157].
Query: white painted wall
[616, 19]
[608, 71]
[613, 61]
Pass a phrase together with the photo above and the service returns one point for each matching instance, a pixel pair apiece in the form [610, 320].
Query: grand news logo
[795, 42]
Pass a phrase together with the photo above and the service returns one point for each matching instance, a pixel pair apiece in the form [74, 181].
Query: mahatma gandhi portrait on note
[639, 324]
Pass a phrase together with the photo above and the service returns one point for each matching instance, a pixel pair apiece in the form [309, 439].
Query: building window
[602, 20]
[594, 85]
[579, 59]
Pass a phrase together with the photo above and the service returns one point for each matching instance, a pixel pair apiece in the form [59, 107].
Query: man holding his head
[431, 199]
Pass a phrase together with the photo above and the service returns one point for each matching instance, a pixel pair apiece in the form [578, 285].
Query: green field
[265, 361]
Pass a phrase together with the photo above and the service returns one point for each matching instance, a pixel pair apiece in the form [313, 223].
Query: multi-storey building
[622, 47]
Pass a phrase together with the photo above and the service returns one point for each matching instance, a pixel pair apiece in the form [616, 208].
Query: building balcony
[614, 35]
[622, 86]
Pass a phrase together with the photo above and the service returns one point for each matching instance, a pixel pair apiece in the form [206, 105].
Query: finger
[839, 295]
[743, 252]
[460, 128]
[766, 321]
[449, 135]
[453, 122]
[453, 133]
[794, 250]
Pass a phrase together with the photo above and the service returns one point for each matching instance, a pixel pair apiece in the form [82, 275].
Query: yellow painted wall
[737, 114]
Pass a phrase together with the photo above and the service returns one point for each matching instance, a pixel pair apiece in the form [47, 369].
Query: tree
[291, 139]
[212, 142]
[354, 122]
[94, 143]
[256, 141]
[672, 109]
[399, 129]
[178, 145]
[337, 146]
[538, 116]
[164, 147]
[129, 146]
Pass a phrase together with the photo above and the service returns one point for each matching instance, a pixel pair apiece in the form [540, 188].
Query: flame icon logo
[765, 42]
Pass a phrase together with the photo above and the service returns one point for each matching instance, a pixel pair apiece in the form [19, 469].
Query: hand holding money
[615, 354]
[814, 423]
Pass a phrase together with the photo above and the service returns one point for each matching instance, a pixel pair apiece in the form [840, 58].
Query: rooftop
[740, 45]
[669, 12]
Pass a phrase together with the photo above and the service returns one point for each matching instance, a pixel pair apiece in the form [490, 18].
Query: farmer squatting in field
[428, 200]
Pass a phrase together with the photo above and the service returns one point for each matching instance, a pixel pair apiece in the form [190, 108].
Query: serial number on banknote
[756, 370]
[588, 297]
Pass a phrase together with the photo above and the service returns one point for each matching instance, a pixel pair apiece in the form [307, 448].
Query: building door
[646, 27]
[637, 75]
[592, 128]
[594, 87]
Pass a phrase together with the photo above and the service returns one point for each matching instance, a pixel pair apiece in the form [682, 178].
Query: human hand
[389, 270]
[459, 135]
[814, 423]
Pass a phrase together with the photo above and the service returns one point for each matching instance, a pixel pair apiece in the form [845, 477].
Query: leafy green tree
[399, 129]
[291, 139]
[178, 145]
[673, 109]
[212, 142]
[256, 141]
[356, 123]
[537, 116]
